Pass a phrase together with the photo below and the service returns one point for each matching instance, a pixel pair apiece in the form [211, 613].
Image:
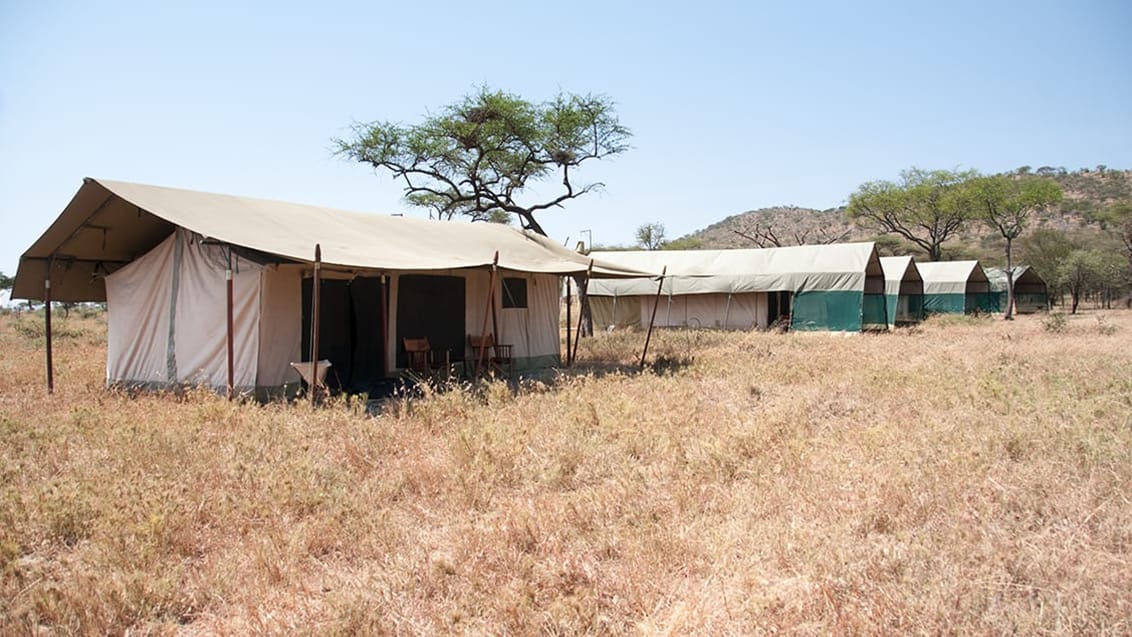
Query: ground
[966, 476]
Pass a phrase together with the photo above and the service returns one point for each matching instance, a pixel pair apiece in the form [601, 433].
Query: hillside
[1086, 191]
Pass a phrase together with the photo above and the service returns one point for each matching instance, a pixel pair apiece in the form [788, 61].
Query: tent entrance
[431, 307]
[350, 332]
[778, 308]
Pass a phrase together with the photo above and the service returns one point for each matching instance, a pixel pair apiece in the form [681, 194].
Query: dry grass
[967, 476]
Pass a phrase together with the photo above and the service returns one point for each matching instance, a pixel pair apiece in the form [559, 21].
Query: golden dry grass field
[964, 477]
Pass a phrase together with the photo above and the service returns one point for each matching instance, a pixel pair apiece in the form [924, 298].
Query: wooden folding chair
[496, 357]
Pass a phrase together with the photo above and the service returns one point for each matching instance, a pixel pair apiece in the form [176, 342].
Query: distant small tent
[1030, 291]
[903, 291]
[837, 287]
[956, 287]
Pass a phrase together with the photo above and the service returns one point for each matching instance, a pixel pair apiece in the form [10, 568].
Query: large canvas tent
[956, 287]
[1030, 291]
[160, 258]
[903, 291]
[825, 287]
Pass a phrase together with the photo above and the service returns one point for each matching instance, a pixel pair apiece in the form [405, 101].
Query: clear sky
[733, 106]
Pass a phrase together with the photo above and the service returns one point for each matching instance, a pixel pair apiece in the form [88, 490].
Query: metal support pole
[316, 284]
[652, 319]
[47, 329]
[231, 331]
[569, 302]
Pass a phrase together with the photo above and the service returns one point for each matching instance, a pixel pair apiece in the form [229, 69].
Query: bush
[1055, 322]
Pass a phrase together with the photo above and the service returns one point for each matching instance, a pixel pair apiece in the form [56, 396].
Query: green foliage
[684, 243]
[1007, 204]
[925, 207]
[6, 282]
[479, 155]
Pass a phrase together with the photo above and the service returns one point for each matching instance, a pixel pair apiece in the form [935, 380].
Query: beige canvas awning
[110, 223]
[953, 277]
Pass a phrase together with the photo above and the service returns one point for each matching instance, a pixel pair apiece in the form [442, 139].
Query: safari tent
[955, 287]
[161, 259]
[1030, 291]
[903, 291]
[824, 287]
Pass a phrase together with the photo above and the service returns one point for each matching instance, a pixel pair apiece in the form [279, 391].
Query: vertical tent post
[490, 308]
[47, 327]
[384, 325]
[578, 336]
[569, 302]
[316, 283]
[652, 319]
[231, 331]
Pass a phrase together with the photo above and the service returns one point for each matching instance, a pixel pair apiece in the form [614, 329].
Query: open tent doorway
[351, 332]
[432, 307]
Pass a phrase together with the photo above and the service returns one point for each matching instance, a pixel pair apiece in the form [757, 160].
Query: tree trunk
[584, 314]
[1009, 316]
[1076, 300]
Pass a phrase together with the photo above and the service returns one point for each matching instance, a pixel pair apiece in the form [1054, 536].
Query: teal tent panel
[945, 303]
[827, 310]
[891, 302]
[874, 311]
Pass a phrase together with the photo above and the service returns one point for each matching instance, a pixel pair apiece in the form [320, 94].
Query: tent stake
[652, 319]
[47, 329]
[569, 293]
[490, 307]
[316, 283]
[231, 348]
[581, 293]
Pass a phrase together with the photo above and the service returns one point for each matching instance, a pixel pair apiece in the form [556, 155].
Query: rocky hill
[1087, 192]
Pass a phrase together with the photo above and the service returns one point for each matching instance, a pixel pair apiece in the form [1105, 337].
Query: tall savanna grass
[964, 476]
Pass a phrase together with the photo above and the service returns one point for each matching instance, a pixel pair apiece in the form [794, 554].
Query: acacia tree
[925, 206]
[650, 236]
[1119, 218]
[478, 156]
[1007, 204]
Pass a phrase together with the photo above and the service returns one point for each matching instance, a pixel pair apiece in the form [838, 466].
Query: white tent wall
[718, 311]
[201, 307]
[138, 297]
[280, 328]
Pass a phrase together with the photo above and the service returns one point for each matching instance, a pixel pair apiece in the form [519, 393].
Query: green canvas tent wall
[160, 256]
[1030, 291]
[903, 290]
[826, 287]
[956, 287]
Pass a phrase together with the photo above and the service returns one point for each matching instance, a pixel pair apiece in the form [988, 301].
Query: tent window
[514, 293]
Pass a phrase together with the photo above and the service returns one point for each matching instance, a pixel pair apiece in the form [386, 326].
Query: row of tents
[839, 287]
[233, 292]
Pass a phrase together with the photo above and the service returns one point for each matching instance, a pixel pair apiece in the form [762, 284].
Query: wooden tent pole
[47, 328]
[231, 331]
[490, 307]
[652, 319]
[316, 283]
[384, 325]
[578, 335]
[569, 350]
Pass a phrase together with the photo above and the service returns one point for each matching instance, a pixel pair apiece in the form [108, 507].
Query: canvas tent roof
[109, 223]
[898, 270]
[949, 277]
[1022, 274]
[822, 267]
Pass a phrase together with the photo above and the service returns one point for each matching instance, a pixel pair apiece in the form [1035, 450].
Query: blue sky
[733, 106]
